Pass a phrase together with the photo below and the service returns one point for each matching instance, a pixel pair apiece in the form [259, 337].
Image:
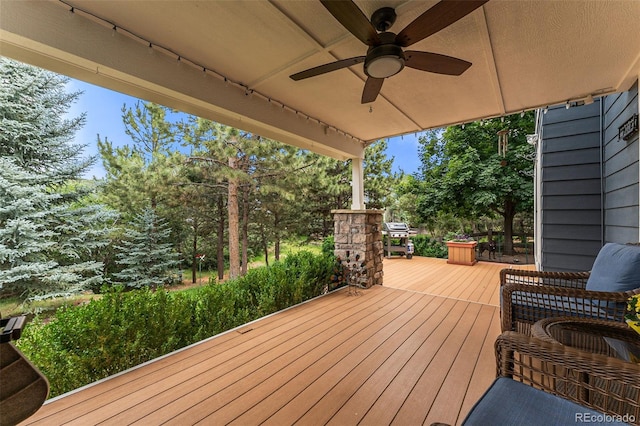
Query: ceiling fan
[385, 56]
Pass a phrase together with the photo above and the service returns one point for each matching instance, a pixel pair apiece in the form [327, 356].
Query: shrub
[118, 331]
[429, 247]
[121, 329]
[328, 245]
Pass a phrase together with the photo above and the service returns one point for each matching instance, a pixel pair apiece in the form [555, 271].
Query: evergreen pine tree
[146, 255]
[23, 237]
[378, 178]
[47, 241]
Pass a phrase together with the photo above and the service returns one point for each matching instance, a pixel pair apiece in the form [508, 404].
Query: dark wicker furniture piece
[529, 296]
[609, 338]
[601, 294]
[23, 388]
[541, 382]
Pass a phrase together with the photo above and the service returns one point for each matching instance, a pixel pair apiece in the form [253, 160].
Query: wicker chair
[23, 389]
[547, 383]
[602, 293]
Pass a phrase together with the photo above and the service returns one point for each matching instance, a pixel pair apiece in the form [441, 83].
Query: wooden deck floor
[417, 350]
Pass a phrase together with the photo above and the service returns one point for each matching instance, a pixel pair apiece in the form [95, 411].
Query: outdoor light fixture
[384, 61]
[532, 139]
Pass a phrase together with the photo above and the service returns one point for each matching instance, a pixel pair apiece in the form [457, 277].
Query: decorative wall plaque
[629, 128]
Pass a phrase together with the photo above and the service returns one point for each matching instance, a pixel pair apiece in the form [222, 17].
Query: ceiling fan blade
[323, 69]
[371, 89]
[435, 62]
[352, 18]
[438, 17]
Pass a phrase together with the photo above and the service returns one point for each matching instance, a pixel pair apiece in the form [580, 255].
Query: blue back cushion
[617, 268]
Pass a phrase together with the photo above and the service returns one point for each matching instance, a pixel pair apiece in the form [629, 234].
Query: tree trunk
[194, 278]
[265, 245]
[276, 228]
[234, 230]
[220, 250]
[508, 215]
[245, 229]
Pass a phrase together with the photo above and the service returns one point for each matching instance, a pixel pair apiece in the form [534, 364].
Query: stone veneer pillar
[360, 232]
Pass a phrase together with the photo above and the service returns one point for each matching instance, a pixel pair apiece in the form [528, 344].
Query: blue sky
[103, 108]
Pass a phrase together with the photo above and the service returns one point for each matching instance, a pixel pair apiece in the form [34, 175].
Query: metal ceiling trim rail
[206, 70]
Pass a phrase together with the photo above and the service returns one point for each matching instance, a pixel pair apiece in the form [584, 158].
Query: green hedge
[120, 330]
[429, 247]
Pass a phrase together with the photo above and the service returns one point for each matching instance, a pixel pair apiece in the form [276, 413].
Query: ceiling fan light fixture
[384, 61]
[384, 67]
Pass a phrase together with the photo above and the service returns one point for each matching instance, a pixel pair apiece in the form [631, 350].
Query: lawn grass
[288, 247]
[13, 306]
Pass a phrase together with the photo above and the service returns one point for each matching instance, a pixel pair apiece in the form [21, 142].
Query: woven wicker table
[615, 340]
[609, 338]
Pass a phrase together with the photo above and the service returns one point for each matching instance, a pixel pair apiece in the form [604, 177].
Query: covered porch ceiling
[230, 61]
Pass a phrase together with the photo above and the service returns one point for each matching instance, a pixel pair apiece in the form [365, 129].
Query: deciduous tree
[465, 175]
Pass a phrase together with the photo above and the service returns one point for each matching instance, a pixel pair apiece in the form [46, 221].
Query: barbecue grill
[396, 236]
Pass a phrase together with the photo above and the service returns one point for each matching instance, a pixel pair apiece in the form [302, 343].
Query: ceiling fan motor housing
[383, 18]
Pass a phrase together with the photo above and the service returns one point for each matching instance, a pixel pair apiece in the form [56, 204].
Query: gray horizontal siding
[572, 202]
[574, 218]
[583, 187]
[589, 192]
[565, 158]
[621, 170]
[571, 172]
[623, 160]
[573, 142]
[622, 197]
[578, 247]
[623, 234]
[576, 232]
[559, 262]
[571, 188]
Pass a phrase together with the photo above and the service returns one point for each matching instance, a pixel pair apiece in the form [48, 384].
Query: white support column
[537, 192]
[357, 184]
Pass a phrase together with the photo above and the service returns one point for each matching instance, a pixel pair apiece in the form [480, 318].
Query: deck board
[360, 366]
[484, 371]
[418, 349]
[301, 392]
[315, 360]
[403, 384]
[454, 387]
[289, 350]
[423, 394]
[374, 391]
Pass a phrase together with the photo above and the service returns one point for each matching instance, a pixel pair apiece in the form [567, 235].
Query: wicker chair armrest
[530, 303]
[555, 279]
[606, 384]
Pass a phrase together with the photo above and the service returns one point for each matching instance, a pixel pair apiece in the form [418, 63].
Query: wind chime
[503, 142]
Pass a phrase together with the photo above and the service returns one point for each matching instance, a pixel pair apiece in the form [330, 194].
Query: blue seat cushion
[616, 268]
[508, 402]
